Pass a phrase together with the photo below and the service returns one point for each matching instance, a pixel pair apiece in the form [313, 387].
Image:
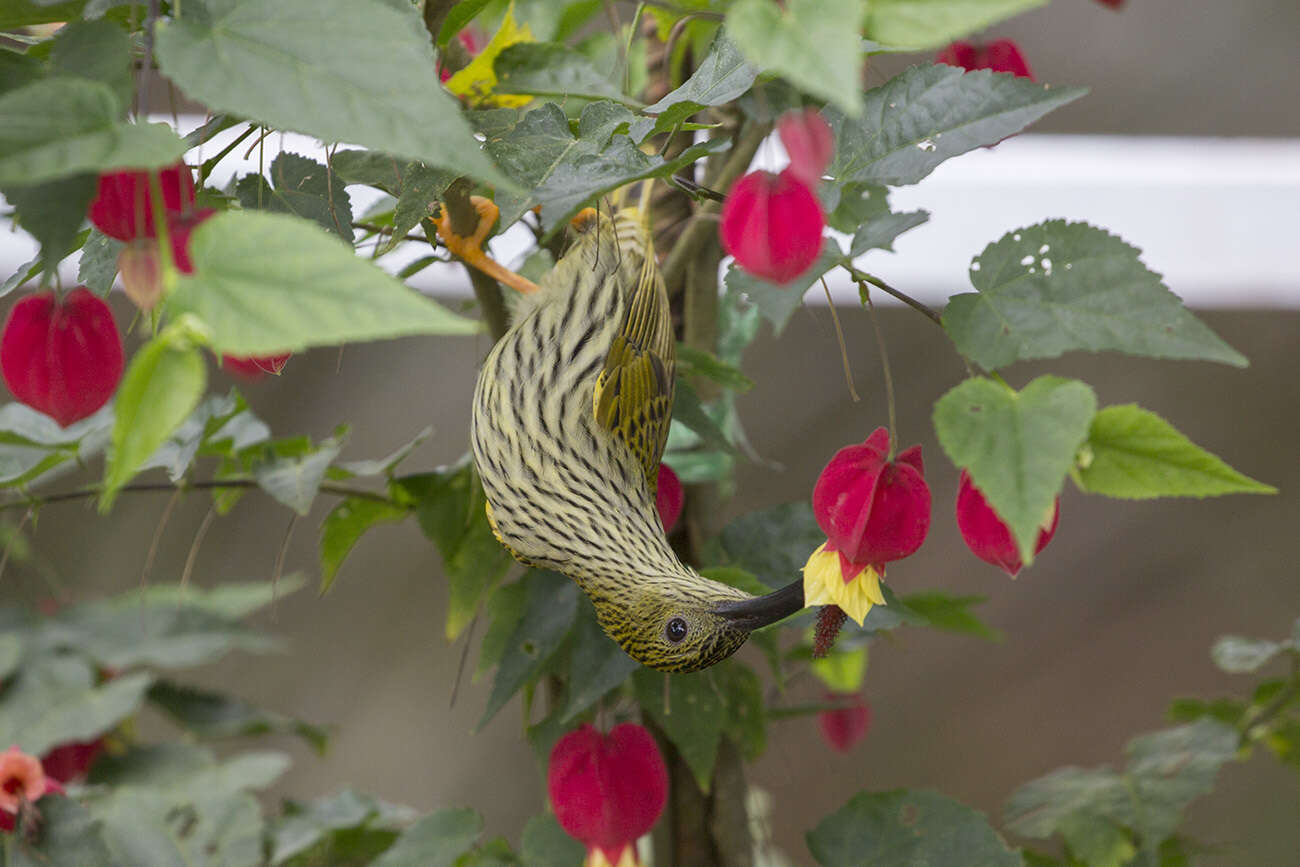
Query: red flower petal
[179, 231]
[873, 511]
[808, 142]
[607, 790]
[772, 225]
[71, 760]
[987, 536]
[62, 357]
[251, 367]
[123, 206]
[669, 497]
[844, 727]
[1002, 55]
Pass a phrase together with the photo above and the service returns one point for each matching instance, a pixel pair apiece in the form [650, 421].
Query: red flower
[873, 510]
[843, 727]
[773, 225]
[22, 781]
[474, 42]
[72, 760]
[1002, 55]
[607, 790]
[669, 497]
[179, 230]
[1113, 4]
[255, 367]
[808, 142]
[987, 536]
[123, 206]
[61, 356]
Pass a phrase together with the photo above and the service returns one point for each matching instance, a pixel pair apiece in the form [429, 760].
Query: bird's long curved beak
[759, 611]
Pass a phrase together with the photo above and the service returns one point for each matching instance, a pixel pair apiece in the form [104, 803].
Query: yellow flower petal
[824, 584]
[478, 79]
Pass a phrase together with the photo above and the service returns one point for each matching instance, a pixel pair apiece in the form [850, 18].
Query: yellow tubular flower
[824, 584]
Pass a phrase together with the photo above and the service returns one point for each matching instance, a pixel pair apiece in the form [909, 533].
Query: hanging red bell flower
[669, 497]
[772, 225]
[607, 790]
[808, 142]
[1002, 55]
[123, 205]
[22, 781]
[61, 356]
[844, 727]
[71, 761]
[987, 536]
[1113, 4]
[179, 231]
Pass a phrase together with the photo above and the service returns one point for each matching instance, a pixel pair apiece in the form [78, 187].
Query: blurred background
[1114, 620]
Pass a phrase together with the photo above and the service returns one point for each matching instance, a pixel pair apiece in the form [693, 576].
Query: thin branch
[157, 535]
[864, 277]
[146, 71]
[839, 336]
[884, 366]
[194, 547]
[92, 491]
[385, 230]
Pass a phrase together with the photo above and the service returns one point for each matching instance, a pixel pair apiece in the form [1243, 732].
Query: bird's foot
[470, 249]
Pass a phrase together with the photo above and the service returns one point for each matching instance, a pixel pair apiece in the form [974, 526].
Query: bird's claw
[470, 249]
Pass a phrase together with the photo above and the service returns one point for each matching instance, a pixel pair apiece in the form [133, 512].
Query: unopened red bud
[772, 225]
[808, 142]
[141, 267]
[987, 536]
[843, 727]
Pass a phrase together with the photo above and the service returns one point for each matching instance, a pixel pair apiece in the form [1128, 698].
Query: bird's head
[681, 627]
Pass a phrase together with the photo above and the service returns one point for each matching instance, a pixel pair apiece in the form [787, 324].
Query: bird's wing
[634, 392]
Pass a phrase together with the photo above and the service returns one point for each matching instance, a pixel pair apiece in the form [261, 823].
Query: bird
[570, 416]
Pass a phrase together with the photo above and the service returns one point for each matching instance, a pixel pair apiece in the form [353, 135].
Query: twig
[864, 277]
[146, 71]
[839, 336]
[157, 536]
[464, 220]
[194, 546]
[435, 13]
[884, 366]
[93, 491]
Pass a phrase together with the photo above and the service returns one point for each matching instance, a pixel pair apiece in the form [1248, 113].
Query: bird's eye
[675, 629]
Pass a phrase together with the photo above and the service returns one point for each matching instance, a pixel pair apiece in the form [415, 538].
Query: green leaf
[22, 13]
[545, 844]
[698, 362]
[213, 715]
[1237, 655]
[505, 608]
[931, 23]
[372, 168]
[358, 71]
[98, 267]
[563, 172]
[269, 283]
[927, 114]
[98, 51]
[842, 670]
[384, 466]
[449, 504]
[161, 387]
[879, 233]
[52, 212]
[302, 187]
[549, 609]
[688, 410]
[231, 600]
[551, 69]
[949, 613]
[66, 126]
[773, 543]
[778, 301]
[437, 840]
[813, 44]
[221, 425]
[334, 828]
[742, 699]
[596, 665]
[1097, 843]
[723, 76]
[68, 835]
[346, 523]
[907, 828]
[691, 714]
[25, 272]
[1018, 446]
[1167, 770]
[295, 480]
[421, 188]
[460, 15]
[1057, 287]
[1132, 453]
[54, 699]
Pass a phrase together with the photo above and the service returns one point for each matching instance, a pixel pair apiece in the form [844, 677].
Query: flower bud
[987, 536]
[141, 270]
[61, 356]
[873, 510]
[843, 727]
[772, 225]
[669, 497]
[1002, 55]
[123, 203]
[607, 790]
[808, 142]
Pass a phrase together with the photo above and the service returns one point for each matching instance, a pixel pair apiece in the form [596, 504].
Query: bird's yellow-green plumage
[570, 417]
